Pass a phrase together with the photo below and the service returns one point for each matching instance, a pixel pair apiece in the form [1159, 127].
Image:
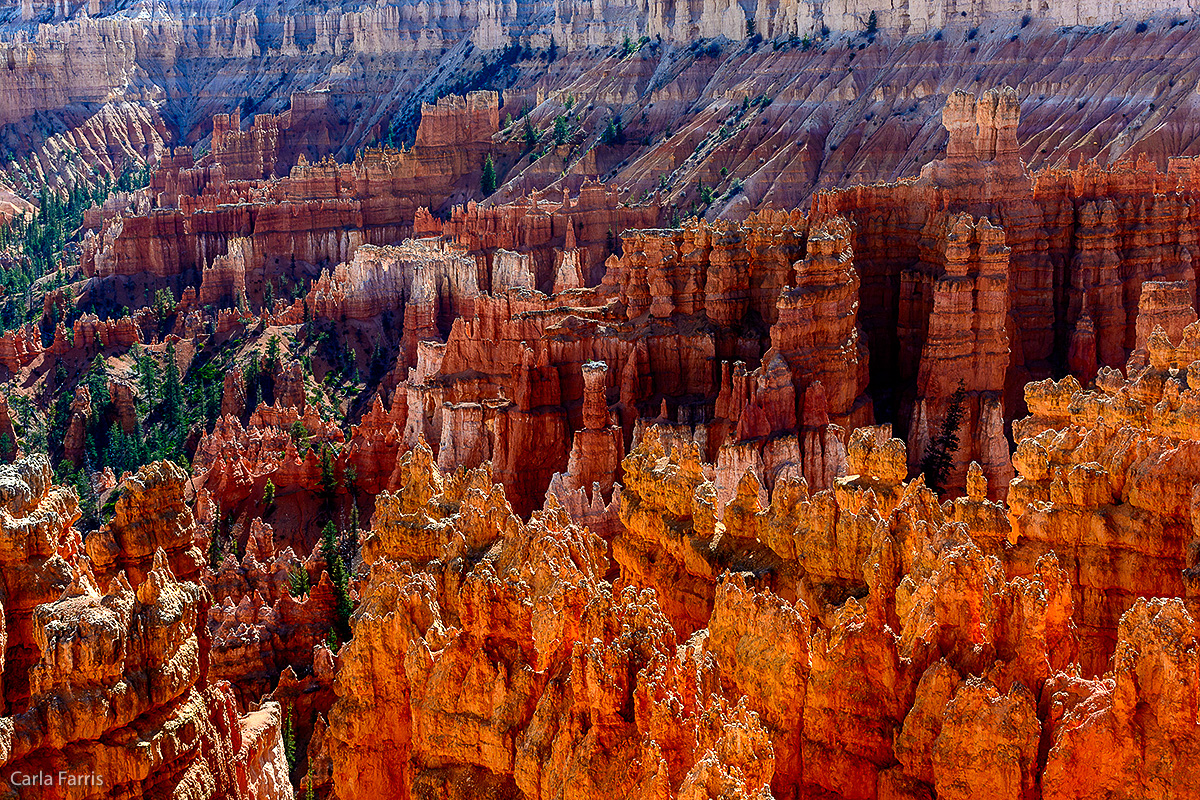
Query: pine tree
[214, 544]
[299, 437]
[289, 739]
[562, 131]
[299, 582]
[147, 377]
[88, 502]
[172, 391]
[328, 482]
[97, 383]
[939, 457]
[488, 181]
[530, 135]
[340, 580]
[271, 362]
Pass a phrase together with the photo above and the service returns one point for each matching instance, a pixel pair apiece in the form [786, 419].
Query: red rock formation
[88, 676]
[605, 664]
[150, 515]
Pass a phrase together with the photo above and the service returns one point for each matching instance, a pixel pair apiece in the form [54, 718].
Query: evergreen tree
[172, 391]
[488, 181]
[939, 457]
[530, 135]
[97, 383]
[214, 544]
[562, 131]
[271, 362]
[289, 739]
[328, 482]
[269, 494]
[299, 582]
[872, 25]
[147, 377]
[88, 502]
[340, 579]
[614, 133]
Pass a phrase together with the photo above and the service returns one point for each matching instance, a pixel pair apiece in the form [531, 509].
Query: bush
[1141, 27]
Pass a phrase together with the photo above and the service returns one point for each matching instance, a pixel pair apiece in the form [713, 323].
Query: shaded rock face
[91, 675]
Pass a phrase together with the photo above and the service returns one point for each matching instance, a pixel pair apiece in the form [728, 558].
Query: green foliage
[328, 482]
[96, 380]
[289, 739]
[299, 582]
[487, 183]
[872, 25]
[562, 131]
[309, 792]
[340, 579]
[299, 437]
[271, 361]
[614, 132]
[36, 242]
[269, 493]
[706, 193]
[627, 47]
[88, 501]
[214, 544]
[125, 452]
[164, 304]
[147, 369]
[172, 390]
[530, 135]
[939, 456]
